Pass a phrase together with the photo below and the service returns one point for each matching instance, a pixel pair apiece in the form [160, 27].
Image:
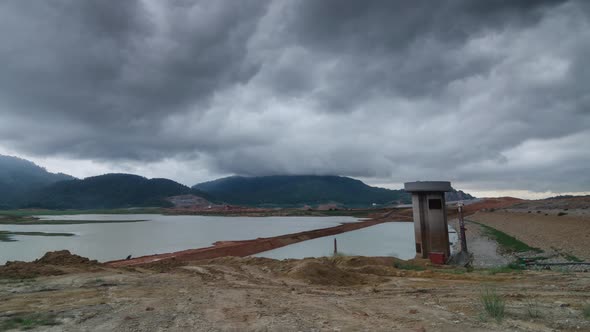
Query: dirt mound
[23, 270]
[165, 265]
[237, 261]
[379, 270]
[325, 273]
[52, 263]
[358, 261]
[64, 258]
[487, 204]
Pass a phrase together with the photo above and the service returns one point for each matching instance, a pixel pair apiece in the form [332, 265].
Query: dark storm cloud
[395, 90]
[405, 47]
[109, 60]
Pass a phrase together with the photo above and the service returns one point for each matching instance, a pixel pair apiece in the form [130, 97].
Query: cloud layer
[490, 94]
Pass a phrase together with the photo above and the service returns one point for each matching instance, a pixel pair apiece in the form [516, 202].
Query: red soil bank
[249, 247]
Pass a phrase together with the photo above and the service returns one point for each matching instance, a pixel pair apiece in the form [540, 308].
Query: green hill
[109, 191]
[23, 184]
[299, 190]
[19, 178]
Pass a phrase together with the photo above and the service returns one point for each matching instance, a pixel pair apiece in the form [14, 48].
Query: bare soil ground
[324, 294]
[568, 234]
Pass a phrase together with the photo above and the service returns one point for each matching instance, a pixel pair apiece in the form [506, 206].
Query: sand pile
[24, 270]
[378, 270]
[165, 265]
[64, 258]
[238, 261]
[360, 261]
[52, 263]
[323, 272]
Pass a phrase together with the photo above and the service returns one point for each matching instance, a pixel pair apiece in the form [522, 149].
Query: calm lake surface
[160, 234]
[389, 239]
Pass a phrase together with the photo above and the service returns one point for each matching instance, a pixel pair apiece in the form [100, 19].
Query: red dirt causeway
[250, 247]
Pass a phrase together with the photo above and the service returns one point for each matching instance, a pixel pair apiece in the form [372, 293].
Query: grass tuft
[406, 266]
[492, 303]
[532, 309]
[586, 311]
[572, 258]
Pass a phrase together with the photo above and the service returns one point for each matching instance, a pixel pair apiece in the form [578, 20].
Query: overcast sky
[492, 95]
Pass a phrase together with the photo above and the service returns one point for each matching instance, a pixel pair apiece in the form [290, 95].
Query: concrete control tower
[430, 217]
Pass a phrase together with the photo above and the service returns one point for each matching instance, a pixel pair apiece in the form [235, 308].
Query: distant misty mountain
[24, 184]
[457, 195]
[110, 191]
[298, 190]
[19, 178]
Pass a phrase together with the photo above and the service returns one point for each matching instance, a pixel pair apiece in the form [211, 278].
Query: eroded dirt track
[327, 294]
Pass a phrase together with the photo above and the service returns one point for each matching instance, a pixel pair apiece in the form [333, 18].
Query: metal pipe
[462, 227]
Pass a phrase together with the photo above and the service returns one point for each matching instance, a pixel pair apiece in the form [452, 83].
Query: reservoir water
[159, 234]
[389, 239]
[162, 234]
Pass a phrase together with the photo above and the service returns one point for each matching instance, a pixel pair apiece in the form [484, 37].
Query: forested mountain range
[24, 184]
[297, 190]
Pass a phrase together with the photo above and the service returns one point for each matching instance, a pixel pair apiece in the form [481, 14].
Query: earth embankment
[251, 247]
